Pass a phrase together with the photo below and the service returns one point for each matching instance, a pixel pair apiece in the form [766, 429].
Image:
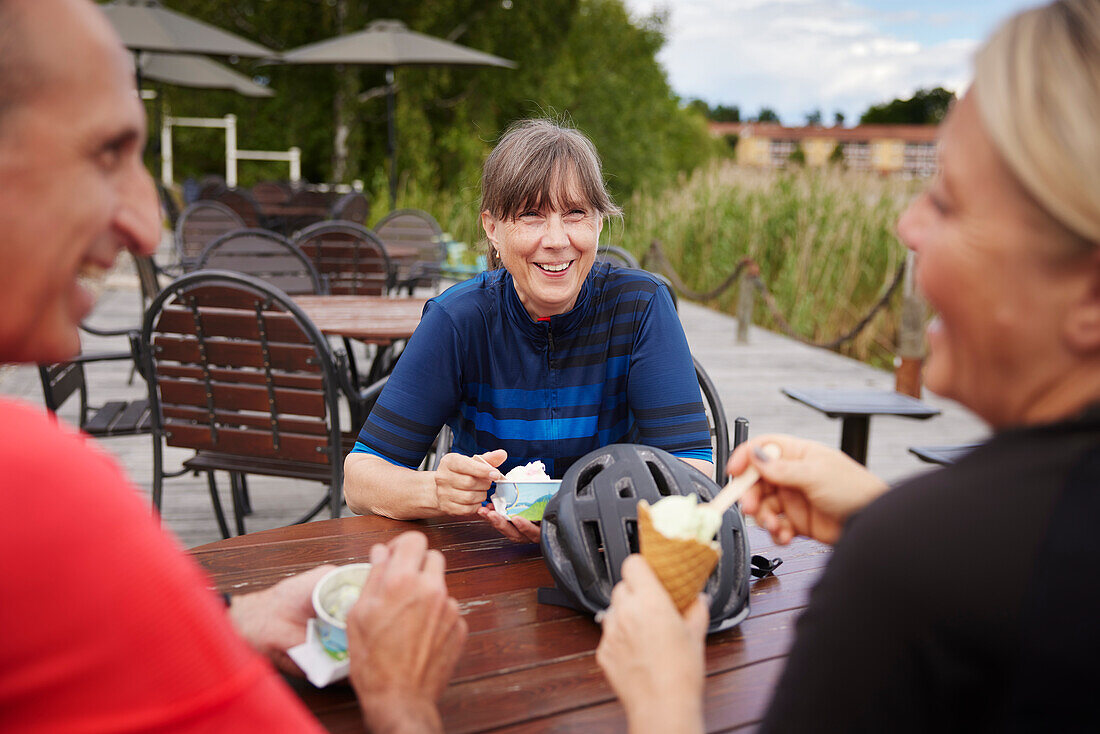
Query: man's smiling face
[73, 190]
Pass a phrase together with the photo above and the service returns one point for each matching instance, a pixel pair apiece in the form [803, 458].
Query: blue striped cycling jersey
[614, 369]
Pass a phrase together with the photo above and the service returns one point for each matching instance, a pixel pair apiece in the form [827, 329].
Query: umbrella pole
[391, 143]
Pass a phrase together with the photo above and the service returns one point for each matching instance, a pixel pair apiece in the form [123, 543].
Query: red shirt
[105, 624]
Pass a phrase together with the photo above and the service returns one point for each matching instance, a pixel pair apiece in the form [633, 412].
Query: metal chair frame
[426, 271]
[617, 256]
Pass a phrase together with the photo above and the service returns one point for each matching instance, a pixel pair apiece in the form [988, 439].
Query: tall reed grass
[824, 240]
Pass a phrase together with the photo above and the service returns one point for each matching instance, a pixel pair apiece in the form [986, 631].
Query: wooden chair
[351, 259]
[200, 224]
[306, 207]
[210, 186]
[240, 201]
[352, 207]
[238, 373]
[267, 193]
[417, 228]
[617, 256]
[62, 380]
[265, 255]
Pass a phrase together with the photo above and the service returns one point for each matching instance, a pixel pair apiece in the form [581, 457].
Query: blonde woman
[966, 599]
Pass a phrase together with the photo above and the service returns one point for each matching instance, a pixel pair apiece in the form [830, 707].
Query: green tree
[582, 60]
[926, 107]
[767, 114]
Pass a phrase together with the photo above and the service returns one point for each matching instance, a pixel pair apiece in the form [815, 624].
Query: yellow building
[905, 149]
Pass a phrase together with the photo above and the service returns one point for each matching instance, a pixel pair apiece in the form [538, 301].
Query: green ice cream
[682, 517]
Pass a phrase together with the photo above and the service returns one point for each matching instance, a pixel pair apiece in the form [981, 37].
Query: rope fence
[748, 271]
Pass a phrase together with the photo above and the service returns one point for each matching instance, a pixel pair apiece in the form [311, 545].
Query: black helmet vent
[593, 536]
[632, 534]
[625, 487]
[584, 482]
[659, 478]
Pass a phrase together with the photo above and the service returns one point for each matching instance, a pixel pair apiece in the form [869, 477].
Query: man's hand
[652, 656]
[462, 482]
[274, 620]
[404, 637]
[809, 490]
[515, 529]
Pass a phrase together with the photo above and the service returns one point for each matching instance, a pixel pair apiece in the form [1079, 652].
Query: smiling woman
[546, 357]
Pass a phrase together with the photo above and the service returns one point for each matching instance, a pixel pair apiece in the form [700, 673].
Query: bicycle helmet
[591, 525]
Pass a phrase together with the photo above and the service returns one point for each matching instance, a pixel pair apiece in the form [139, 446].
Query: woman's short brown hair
[539, 163]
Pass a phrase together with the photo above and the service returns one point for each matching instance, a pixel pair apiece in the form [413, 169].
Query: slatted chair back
[404, 227]
[716, 420]
[210, 186]
[307, 207]
[265, 255]
[349, 257]
[617, 256]
[200, 224]
[267, 193]
[238, 373]
[353, 207]
[240, 201]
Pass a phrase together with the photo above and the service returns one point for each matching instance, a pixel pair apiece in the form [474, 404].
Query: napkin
[320, 667]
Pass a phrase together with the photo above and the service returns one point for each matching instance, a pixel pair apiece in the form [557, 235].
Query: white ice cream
[682, 517]
[533, 472]
[339, 601]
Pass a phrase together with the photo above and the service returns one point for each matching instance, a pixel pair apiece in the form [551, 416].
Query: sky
[797, 56]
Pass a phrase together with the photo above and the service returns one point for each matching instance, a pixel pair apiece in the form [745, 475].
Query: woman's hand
[462, 482]
[515, 529]
[652, 656]
[809, 490]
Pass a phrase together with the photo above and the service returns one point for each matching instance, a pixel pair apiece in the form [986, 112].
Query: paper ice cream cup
[524, 498]
[333, 595]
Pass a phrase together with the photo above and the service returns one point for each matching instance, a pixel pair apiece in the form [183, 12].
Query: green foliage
[926, 107]
[797, 156]
[824, 240]
[814, 118]
[767, 114]
[585, 61]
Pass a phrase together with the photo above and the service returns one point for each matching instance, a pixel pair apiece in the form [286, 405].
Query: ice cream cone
[683, 566]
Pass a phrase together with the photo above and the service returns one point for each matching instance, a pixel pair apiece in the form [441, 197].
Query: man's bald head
[18, 77]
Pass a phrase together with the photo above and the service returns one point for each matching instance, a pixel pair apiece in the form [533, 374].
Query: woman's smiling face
[549, 248]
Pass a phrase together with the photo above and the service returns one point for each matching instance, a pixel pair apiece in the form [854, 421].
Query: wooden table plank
[370, 319]
[542, 656]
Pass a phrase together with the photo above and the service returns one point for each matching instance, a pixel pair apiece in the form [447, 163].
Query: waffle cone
[683, 566]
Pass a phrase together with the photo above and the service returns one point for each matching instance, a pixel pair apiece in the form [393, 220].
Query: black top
[967, 599]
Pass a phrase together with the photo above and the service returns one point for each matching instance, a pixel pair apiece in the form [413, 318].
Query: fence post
[295, 164]
[231, 151]
[166, 174]
[746, 299]
[910, 356]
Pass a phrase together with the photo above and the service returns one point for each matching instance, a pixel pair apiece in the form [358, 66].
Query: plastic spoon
[740, 484]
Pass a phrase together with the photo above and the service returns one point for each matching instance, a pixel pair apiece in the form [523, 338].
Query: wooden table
[855, 408]
[370, 319]
[526, 666]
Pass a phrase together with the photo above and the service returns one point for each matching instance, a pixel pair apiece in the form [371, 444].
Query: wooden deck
[749, 378]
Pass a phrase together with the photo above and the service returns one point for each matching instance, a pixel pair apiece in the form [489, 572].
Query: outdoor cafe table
[526, 666]
[370, 319]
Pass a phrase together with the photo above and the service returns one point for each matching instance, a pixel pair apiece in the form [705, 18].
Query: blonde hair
[1037, 83]
[533, 166]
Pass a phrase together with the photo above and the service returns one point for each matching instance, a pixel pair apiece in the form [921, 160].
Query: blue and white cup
[335, 593]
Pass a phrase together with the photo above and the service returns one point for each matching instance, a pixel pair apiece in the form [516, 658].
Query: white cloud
[800, 55]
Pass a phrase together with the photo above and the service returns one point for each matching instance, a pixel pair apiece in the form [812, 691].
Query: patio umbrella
[198, 71]
[146, 25]
[389, 43]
